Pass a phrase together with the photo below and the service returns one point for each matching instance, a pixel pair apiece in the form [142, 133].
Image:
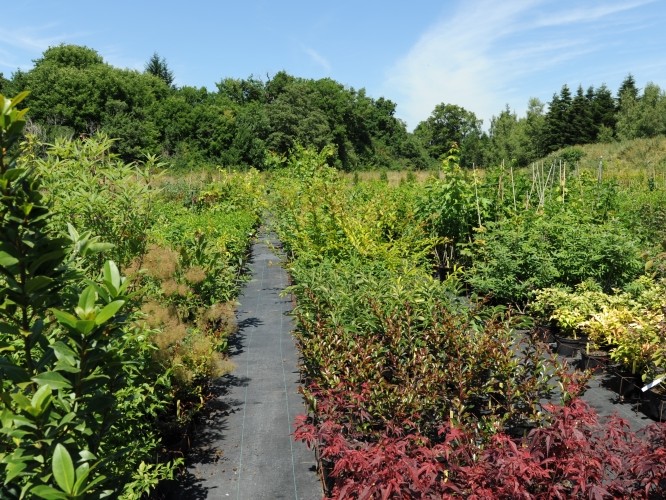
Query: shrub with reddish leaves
[576, 456]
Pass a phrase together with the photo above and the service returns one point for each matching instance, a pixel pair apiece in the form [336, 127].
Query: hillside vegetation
[636, 161]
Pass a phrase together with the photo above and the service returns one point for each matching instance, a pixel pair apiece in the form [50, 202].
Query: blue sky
[479, 54]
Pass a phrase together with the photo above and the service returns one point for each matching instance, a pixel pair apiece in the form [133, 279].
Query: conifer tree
[559, 128]
[583, 128]
[157, 66]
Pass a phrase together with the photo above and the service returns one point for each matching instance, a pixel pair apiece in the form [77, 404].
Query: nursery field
[444, 319]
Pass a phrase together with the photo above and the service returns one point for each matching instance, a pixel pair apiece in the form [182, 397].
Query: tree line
[247, 122]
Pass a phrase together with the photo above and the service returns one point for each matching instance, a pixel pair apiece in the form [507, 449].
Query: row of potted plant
[626, 329]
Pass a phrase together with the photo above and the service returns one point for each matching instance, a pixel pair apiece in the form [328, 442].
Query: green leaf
[7, 260]
[14, 469]
[6, 417]
[84, 327]
[15, 373]
[19, 97]
[91, 485]
[108, 311]
[87, 455]
[73, 233]
[55, 255]
[67, 419]
[99, 246]
[112, 276]
[22, 401]
[37, 283]
[64, 318]
[63, 469]
[7, 347]
[8, 329]
[27, 208]
[87, 300]
[82, 472]
[64, 353]
[40, 398]
[53, 379]
[48, 492]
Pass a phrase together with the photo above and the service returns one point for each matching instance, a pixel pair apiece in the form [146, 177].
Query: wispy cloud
[588, 14]
[476, 54]
[318, 59]
[24, 40]
[31, 41]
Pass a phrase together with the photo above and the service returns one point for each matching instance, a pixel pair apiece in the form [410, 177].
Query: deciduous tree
[450, 124]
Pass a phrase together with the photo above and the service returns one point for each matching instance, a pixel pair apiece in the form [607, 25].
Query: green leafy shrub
[77, 394]
[192, 269]
[570, 310]
[513, 258]
[450, 208]
[83, 179]
[318, 215]
[398, 348]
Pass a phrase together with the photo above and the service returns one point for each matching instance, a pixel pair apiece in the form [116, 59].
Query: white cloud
[318, 59]
[478, 55]
[30, 42]
[453, 62]
[25, 41]
[589, 14]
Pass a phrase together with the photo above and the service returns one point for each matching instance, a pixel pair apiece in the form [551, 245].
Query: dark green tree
[559, 131]
[16, 83]
[242, 91]
[157, 66]
[391, 142]
[252, 129]
[74, 92]
[628, 92]
[652, 106]
[642, 117]
[504, 142]
[295, 118]
[535, 129]
[583, 128]
[276, 85]
[176, 118]
[604, 109]
[628, 114]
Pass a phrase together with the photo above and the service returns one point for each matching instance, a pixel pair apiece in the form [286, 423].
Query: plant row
[111, 318]
[416, 385]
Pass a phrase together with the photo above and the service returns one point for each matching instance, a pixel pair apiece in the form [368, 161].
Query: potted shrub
[567, 312]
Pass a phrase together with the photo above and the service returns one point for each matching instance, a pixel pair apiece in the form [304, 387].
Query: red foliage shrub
[576, 456]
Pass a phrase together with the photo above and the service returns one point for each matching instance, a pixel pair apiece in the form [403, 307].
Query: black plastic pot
[654, 403]
[570, 347]
[626, 384]
[593, 360]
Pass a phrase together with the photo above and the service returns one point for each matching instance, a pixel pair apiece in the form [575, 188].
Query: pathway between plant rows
[245, 450]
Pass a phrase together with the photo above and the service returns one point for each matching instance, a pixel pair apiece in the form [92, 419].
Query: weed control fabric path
[246, 451]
